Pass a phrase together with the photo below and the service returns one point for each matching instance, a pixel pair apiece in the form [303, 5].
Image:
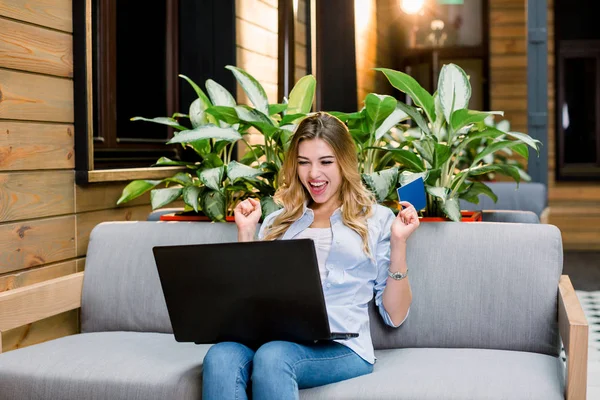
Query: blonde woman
[361, 252]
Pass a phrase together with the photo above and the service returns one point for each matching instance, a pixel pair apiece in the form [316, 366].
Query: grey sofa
[489, 301]
[528, 196]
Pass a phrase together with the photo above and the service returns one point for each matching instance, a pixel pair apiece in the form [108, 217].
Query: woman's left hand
[406, 222]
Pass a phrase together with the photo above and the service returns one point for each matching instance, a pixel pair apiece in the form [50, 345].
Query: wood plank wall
[573, 207]
[45, 219]
[256, 31]
[374, 45]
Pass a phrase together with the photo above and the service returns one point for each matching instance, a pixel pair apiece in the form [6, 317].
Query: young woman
[361, 252]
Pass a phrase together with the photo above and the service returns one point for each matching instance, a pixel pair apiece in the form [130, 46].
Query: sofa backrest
[121, 288]
[527, 196]
[480, 285]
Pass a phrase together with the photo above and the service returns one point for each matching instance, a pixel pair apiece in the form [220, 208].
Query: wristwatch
[397, 275]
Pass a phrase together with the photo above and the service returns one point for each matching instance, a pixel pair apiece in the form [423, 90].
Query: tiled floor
[590, 301]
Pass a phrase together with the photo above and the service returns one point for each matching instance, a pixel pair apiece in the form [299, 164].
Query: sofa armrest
[38, 301]
[573, 327]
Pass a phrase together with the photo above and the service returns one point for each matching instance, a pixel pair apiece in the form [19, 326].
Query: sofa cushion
[480, 285]
[121, 288]
[461, 374]
[102, 366]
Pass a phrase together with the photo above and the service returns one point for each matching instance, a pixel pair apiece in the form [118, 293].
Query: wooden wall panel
[27, 195]
[57, 14]
[104, 196]
[87, 221]
[35, 275]
[26, 146]
[31, 48]
[28, 244]
[259, 13]
[254, 38]
[47, 329]
[32, 97]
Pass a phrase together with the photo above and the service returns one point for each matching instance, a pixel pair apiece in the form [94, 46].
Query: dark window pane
[578, 113]
[141, 68]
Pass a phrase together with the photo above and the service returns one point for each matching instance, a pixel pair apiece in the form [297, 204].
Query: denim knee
[271, 358]
[224, 356]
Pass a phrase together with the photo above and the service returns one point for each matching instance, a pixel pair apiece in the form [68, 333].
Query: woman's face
[319, 171]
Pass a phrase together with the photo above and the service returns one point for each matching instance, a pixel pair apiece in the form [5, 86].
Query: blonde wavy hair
[357, 200]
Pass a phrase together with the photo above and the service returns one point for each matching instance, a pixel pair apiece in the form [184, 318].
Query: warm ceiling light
[412, 6]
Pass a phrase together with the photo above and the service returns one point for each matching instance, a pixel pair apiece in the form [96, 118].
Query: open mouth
[317, 187]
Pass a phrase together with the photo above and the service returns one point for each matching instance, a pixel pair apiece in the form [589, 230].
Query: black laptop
[250, 292]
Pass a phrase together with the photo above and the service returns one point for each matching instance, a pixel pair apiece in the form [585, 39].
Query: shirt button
[328, 284]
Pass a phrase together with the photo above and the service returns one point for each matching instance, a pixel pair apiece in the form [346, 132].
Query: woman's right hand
[247, 214]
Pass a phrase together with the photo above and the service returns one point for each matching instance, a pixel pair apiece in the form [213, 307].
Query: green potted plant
[216, 183]
[392, 153]
[445, 128]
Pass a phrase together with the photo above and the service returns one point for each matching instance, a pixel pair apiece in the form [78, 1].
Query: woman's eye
[302, 162]
[327, 162]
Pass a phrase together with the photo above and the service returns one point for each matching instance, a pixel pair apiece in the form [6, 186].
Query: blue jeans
[277, 370]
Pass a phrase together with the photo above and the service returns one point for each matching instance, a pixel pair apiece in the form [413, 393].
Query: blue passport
[414, 193]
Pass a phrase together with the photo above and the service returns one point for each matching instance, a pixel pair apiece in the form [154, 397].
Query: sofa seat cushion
[104, 365]
[429, 373]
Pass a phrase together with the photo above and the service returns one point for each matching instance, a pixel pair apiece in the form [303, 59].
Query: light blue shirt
[353, 278]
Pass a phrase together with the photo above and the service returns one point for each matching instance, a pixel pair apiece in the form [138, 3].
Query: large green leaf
[201, 147]
[392, 120]
[345, 117]
[277, 108]
[256, 93]
[408, 176]
[302, 95]
[167, 161]
[268, 206]
[161, 197]
[407, 84]
[416, 116]
[191, 196]
[494, 147]
[136, 189]
[201, 95]
[223, 113]
[197, 114]
[536, 144]
[438, 191]
[214, 204]
[441, 155]
[425, 148]
[461, 118]
[381, 183]
[291, 118]
[161, 120]
[508, 170]
[522, 150]
[408, 159]
[475, 189]
[236, 170]
[212, 177]
[451, 208]
[248, 114]
[219, 95]
[209, 131]
[379, 107]
[454, 89]
[183, 178]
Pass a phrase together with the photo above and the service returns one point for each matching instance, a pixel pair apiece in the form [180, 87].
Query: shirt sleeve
[382, 260]
[268, 221]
